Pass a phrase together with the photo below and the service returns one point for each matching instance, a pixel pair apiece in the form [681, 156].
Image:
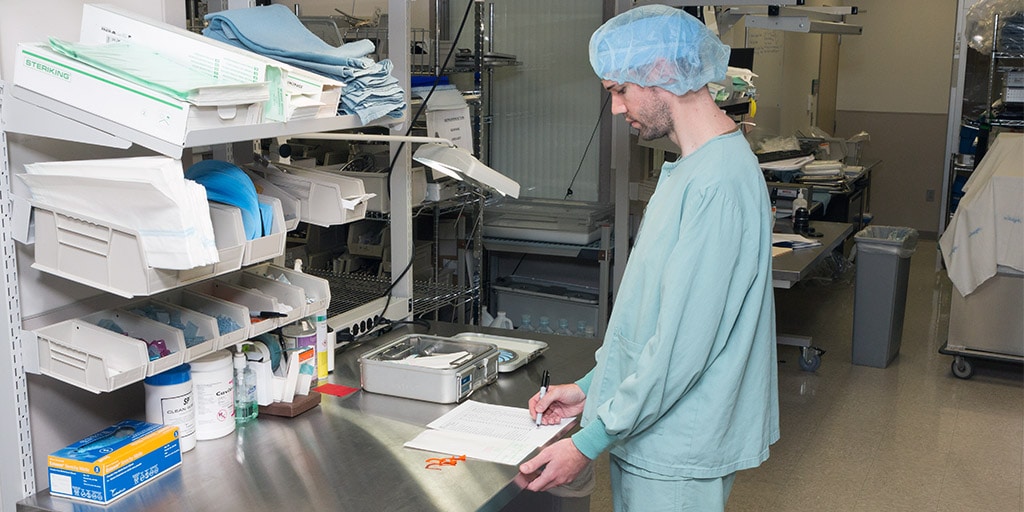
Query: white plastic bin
[111, 258]
[268, 246]
[141, 328]
[322, 195]
[377, 183]
[215, 308]
[206, 326]
[317, 290]
[89, 356]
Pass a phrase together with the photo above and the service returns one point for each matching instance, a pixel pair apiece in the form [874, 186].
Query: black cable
[437, 79]
[433, 87]
[568, 190]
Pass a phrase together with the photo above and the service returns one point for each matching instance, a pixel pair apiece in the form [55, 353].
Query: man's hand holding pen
[560, 462]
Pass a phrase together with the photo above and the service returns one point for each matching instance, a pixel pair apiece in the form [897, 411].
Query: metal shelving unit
[599, 250]
[349, 291]
[26, 112]
[959, 166]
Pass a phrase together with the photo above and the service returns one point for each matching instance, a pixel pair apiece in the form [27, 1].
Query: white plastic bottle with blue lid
[502, 321]
[170, 401]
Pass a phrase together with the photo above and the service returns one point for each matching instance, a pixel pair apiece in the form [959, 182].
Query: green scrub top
[686, 382]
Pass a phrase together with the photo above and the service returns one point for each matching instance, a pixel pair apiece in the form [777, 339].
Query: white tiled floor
[910, 437]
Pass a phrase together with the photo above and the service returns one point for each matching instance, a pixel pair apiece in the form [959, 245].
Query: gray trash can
[880, 292]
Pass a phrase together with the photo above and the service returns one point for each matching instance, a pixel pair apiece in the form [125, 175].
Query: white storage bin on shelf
[90, 357]
[377, 183]
[258, 294]
[289, 204]
[368, 238]
[205, 325]
[111, 258]
[322, 196]
[142, 328]
[268, 246]
[221, 311]
[317, 290]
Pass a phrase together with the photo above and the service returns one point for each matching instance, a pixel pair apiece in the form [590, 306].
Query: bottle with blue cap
[170, 401]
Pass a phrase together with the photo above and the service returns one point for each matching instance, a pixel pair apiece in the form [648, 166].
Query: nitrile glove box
[113, 461]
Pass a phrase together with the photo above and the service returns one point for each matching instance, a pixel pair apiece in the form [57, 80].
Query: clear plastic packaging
[900, 241]
[980, 18]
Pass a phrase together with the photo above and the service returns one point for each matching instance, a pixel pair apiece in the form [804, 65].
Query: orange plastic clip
[437, 462]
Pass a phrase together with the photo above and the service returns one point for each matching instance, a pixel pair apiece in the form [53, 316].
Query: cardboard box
[113, 461]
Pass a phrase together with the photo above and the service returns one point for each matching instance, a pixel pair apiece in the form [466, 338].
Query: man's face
[643, 108]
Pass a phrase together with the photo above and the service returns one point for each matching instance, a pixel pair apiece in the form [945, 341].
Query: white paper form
[496, 433]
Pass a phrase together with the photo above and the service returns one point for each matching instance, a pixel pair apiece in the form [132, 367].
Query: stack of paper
[496, 433]
[147, 194]
[794, 242]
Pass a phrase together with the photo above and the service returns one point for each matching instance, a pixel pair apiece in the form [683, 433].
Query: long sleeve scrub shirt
[686, 384]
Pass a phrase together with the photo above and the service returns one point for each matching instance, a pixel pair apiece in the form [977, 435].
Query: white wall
[418, 9]
[901, 63]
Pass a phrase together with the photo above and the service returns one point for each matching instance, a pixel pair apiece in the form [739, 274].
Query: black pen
[543, 390]
[267, 314]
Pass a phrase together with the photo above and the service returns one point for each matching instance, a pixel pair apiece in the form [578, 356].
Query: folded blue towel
[370, 90]
[274, 31]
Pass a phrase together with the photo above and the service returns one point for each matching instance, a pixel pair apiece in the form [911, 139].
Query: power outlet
[929, 195]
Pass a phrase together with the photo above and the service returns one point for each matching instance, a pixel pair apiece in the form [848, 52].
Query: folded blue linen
[274, 31]
[370, 90]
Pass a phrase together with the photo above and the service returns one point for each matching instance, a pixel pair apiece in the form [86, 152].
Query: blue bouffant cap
[658, 46]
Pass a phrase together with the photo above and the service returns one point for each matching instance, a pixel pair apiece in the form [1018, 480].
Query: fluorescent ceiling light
[440, 155]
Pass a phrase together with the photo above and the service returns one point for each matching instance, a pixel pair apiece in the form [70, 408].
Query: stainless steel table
[345, 454]
[789, 268]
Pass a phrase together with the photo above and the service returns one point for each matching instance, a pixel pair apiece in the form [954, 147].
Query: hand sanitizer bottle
[246, 407]
[800, 201]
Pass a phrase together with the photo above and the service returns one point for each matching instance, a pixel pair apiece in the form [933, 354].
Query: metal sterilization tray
[415, 366]
[512, 352]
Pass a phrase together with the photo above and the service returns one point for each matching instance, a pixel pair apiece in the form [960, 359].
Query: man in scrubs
[685, 390]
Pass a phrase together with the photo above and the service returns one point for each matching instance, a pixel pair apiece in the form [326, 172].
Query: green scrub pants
[632, 492]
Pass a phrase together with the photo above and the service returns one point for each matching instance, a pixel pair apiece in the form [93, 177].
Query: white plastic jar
[170, 401]
[213, 386]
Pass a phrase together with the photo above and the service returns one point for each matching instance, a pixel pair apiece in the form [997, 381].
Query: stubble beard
[656, 122]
